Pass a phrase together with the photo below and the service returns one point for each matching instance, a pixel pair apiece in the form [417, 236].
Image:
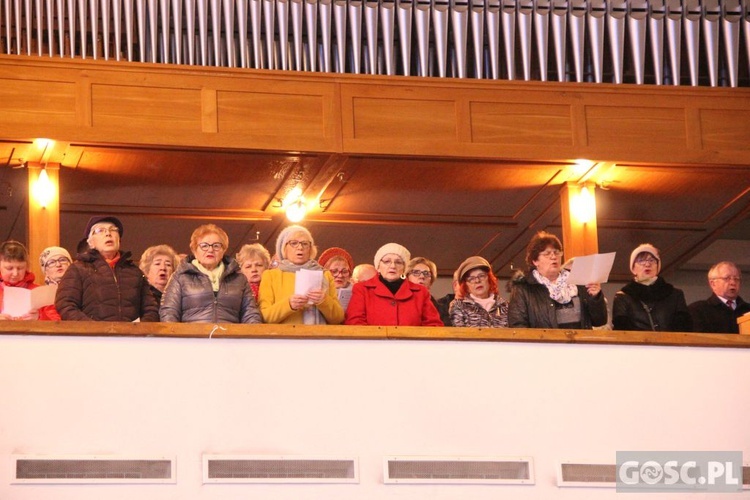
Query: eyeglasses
[217, 247]
[296, 244]
[550, 253]
[423, 274]
[54, 262]
[738, 279]
[108, 230]
[394, 262]
[647, 260]
[477, 278]
[339, 272]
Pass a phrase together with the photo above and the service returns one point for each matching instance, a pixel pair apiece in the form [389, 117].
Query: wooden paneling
[516, 123]
[725, 129]
[44, 102]
[403, 119]
[636, 127]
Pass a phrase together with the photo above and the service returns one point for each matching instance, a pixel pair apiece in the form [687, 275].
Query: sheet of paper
[345, 295]
[19, 301]
[591, 268]
[306, 280]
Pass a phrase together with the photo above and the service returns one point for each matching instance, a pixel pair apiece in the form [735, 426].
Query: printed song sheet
[19, 301]
[591, 268]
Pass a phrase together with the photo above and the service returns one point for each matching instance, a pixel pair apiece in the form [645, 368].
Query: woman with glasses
[649, 302]
[283, 300]
[54, 262]
[340, 264]
[423, 271]
[388, 298]
[207, 286]
[545, 299]
[480, 304]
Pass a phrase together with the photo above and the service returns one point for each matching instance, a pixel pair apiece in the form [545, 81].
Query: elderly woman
[480, 304]
[649, 302]
[207, 286]
[54, 261]
[281, 301]
[104, 284]
[158, 263]
[422, 271]
[253, 260]
[14, 263]
[545, 299]
[340, 264]
[390, 299]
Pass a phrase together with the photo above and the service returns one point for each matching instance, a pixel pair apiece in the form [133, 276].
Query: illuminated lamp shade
[44, 190]
[584, 206]
[296, 210]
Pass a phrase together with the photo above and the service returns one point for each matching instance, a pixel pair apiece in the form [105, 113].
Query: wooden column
[44, 222]
[579, 238]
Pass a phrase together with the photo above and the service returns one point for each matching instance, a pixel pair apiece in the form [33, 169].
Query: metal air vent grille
[92, 469]
[269, 469]
[587, 474]
[459, 470]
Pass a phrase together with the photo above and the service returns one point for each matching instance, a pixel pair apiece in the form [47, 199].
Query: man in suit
[719, 313]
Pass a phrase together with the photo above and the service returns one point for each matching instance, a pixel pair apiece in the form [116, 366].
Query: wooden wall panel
[38, 101]
[152, 108]
[404, 119]
[515, 123]
[725, 129]
[636, 127]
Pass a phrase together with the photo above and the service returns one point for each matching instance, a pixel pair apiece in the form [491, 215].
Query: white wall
[369, 399]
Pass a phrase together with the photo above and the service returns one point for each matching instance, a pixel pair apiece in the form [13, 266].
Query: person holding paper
[389, 299]
[253, 260]
[104, 284]
[299, 290]
[54, 262]
[339, 263]
[207, 286]
[480, 304]
[649, 302]
[13, 273]
[545, 299]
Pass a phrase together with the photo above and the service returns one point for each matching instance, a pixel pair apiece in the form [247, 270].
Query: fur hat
[332, 252]
[286, 234]
[472, 263]
[102, 218]
[393, 248]
[648, 248]
[50, 252]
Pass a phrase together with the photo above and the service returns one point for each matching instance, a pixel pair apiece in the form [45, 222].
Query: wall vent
[458, 470]
[745, 477]
[279, 469]
[576, 474]
[92, 469]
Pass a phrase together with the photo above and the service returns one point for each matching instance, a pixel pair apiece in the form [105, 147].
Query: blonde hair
[205, 229]
[148, 256]
[255, 250]
[427, 262]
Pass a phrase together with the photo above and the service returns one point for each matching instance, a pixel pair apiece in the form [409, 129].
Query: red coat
[26, 282]
[373, 304]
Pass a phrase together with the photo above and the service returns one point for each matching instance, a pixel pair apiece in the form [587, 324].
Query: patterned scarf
[214, 275]
[559, 290]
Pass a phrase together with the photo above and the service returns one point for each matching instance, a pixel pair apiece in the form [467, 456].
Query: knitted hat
[648, 248]
[393, 248]
[51, 252]
[336, 252]
[472, 263]
[286, 234]
[102, 218]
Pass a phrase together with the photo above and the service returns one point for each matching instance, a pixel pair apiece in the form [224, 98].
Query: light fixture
[44, 190]
[584, 205]
[296, 210]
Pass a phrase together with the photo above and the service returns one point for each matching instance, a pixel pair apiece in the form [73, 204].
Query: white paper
[591, 269]
[345, 295]
[306, 280]
[19, 301]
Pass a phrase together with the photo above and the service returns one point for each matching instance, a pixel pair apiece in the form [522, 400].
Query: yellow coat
[276, 286]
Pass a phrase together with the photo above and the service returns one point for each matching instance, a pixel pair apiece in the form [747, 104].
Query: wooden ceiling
[443, 209]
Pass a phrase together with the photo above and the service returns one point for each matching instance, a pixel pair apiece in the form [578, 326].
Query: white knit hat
[393, 248]
[647, 248]
[50, 252]
[287, 233]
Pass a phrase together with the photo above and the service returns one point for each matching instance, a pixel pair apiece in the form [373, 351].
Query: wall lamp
[583, 205]
[43, 190]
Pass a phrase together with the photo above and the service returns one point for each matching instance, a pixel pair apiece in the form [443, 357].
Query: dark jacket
[92, 290]
[443, 305]
[665, 304]
[714, 316]
[189, 297]
[532, 307]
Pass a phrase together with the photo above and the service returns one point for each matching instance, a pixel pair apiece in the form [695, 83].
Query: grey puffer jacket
[531, 306]
[189, 298]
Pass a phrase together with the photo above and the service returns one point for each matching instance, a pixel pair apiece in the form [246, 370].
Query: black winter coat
[665, 304]
[532, 307]
[189, 297]
[92, 290]
[713, 316]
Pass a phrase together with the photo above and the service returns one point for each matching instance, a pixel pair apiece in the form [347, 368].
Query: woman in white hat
[278, 297]
[54, 262]
[480, 304]
[388, 298]
[649, 302]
